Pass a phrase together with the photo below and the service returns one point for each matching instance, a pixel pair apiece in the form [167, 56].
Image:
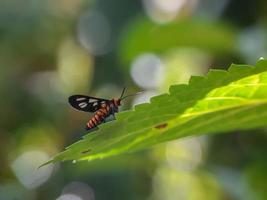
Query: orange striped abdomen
[98, 117]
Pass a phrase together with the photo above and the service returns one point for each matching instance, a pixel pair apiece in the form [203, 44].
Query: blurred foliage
[201, 184]
[46, 54]
[256, 176]
[213, 38]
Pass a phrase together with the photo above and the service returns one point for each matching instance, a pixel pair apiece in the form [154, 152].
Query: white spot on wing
[92, 100]
[80, 99]
[83, 104]
[95, 103]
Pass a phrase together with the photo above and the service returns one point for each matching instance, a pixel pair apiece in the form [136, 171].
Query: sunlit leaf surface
[220, 102]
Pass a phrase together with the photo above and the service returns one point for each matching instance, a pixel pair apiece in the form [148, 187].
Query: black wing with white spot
[86, 103]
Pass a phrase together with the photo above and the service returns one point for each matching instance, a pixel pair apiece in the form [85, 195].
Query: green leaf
[222, 101]
[145, 36]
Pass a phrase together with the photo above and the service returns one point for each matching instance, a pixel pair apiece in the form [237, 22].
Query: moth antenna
[123, 92]
[132, 95]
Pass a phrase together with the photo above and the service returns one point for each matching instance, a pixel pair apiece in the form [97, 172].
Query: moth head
[117, 102]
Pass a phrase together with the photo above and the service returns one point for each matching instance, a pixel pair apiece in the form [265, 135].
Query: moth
[102, 108]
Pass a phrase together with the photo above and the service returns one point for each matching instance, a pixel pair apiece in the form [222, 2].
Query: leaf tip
[46, 163]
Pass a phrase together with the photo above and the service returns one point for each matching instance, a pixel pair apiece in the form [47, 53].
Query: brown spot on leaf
[86, 151]
[161, 126]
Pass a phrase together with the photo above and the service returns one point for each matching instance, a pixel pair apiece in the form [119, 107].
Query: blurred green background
[50, 50]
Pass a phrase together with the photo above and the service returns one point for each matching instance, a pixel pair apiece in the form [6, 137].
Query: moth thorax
[117, 102]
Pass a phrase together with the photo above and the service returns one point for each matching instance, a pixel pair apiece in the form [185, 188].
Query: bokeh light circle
[25, 167]
[69, 197]
[77, 191]
[184, 154]
[147, 71]
[94, 32]
[164, 11]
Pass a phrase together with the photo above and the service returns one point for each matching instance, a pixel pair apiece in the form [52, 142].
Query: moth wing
[86, 103]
